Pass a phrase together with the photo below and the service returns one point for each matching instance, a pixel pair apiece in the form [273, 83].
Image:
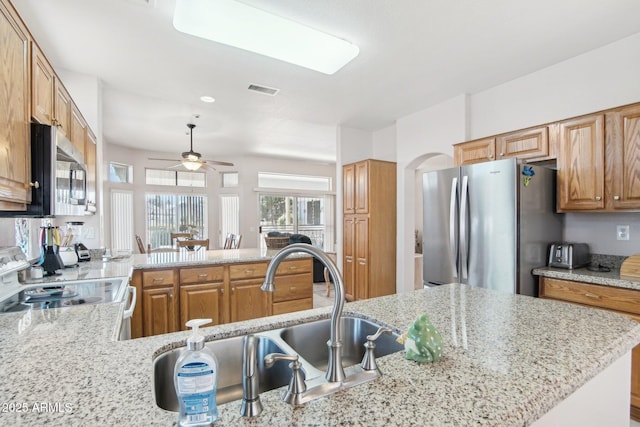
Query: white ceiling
[413, 54]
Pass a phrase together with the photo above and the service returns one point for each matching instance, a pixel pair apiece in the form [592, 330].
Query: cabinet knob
[501, 154]
[34, 184]
[170, 296]
[598, 198]
[490, 156]
[616, 197]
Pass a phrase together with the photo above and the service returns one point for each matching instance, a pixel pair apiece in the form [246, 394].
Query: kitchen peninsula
[508, 360]
[223, 285]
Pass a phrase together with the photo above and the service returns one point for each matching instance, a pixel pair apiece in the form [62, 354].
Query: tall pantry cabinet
[369, 244]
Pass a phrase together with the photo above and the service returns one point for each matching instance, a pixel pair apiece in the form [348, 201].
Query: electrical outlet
[622, 232]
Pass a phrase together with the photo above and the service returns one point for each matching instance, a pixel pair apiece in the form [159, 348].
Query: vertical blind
[229, 216]
[122, 219]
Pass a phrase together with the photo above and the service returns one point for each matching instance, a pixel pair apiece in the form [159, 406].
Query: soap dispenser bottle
[196, 380]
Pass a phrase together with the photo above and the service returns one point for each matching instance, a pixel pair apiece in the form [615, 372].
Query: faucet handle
[369, 359]
[297, 385]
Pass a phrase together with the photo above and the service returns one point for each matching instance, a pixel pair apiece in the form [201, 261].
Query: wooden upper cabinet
[15, 111]
[61, 108]
[42, 83]
[349, 188]
[362, 187]
[481, 150]
[78, 135]
[525, 144]
[623, 158]
[581, 163]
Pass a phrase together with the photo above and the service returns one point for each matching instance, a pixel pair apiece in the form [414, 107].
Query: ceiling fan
[192, 160]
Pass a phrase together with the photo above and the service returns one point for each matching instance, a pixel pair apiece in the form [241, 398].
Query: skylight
[245, 27]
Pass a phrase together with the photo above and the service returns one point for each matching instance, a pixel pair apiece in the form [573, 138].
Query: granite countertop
[507, 361]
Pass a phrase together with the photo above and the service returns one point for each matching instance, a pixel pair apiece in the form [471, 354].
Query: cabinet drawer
[296, 266]
[293, 287]
[152, 278]
[619, 299]
[247, 271]
[290, 306]
[201, 275]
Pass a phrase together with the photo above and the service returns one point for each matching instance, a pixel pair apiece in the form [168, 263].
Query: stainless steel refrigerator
[488, 225]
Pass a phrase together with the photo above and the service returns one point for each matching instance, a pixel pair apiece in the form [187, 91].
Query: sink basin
[228, 351]
[309, 340]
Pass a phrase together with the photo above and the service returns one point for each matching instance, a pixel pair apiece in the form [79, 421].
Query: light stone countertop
[508, 359]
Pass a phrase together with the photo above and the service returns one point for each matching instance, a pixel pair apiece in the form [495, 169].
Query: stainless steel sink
[228, 351]
[309, 340]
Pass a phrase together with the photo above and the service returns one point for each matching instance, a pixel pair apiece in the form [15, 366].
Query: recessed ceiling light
[207, 99]
[245, 27]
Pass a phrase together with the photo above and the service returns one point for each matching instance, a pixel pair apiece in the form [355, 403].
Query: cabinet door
[41, 87]
[348, 187]
[15, 111]
[61, 108]
[159, 311]
[90, 160]
[362, 257]
[248, 301]
[481, 150]
[78, 129]
[362, 188]
[348, 249]
[623, 158]
[581, 163]
[203, 301]
[525, 144]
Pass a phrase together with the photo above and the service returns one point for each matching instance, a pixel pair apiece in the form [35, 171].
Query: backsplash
[612, 261]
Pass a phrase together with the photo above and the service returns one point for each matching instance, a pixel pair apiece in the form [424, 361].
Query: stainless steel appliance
[58, 172]
[488, 224]
[569, 255]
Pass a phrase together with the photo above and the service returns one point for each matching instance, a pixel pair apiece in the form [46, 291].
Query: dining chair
[179, 236]
[194, 243]
[232, 241]
[140, 244]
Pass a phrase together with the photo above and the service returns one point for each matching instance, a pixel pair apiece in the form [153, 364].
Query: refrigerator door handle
[453, 242]
[464, 244]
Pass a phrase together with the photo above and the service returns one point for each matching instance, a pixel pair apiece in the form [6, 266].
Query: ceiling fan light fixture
[246, 27]
[191, 165]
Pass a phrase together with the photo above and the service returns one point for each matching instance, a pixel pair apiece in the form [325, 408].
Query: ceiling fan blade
[179, 165]
[164, 160]
[216, 162]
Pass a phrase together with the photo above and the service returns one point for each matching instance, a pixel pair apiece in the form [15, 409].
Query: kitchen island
[508, 360]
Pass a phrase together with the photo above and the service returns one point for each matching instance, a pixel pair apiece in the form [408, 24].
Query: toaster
[569, 255]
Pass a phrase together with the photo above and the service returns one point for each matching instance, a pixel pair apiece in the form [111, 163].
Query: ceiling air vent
[264, 89]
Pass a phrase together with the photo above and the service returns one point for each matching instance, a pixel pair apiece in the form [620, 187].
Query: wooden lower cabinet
[223, 292]
[159, 311]
[620, 300]
[202, 301]
[247, 300]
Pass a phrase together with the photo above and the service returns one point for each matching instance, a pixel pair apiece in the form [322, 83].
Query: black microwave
[59, 175]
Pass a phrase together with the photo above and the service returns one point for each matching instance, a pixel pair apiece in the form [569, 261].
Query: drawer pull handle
[594, 296]
[158, 279]
[293, 268]
[249, 271]
[203, 275]
[292, 288]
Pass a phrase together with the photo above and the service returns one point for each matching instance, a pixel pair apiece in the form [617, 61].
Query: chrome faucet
[251, 405]
[335, 372]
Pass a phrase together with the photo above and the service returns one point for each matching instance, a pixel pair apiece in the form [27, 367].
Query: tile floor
[320, 298]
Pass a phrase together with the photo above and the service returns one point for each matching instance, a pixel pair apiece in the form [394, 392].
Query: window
[229, 179]
[122, 230]
[168, 213]
[175, 178]
[297, 204]
[119, 172]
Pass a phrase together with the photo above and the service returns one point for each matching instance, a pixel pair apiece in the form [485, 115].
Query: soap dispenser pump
[196, 380]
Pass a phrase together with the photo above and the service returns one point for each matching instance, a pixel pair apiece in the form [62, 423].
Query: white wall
[247, 168]
[427, 134]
